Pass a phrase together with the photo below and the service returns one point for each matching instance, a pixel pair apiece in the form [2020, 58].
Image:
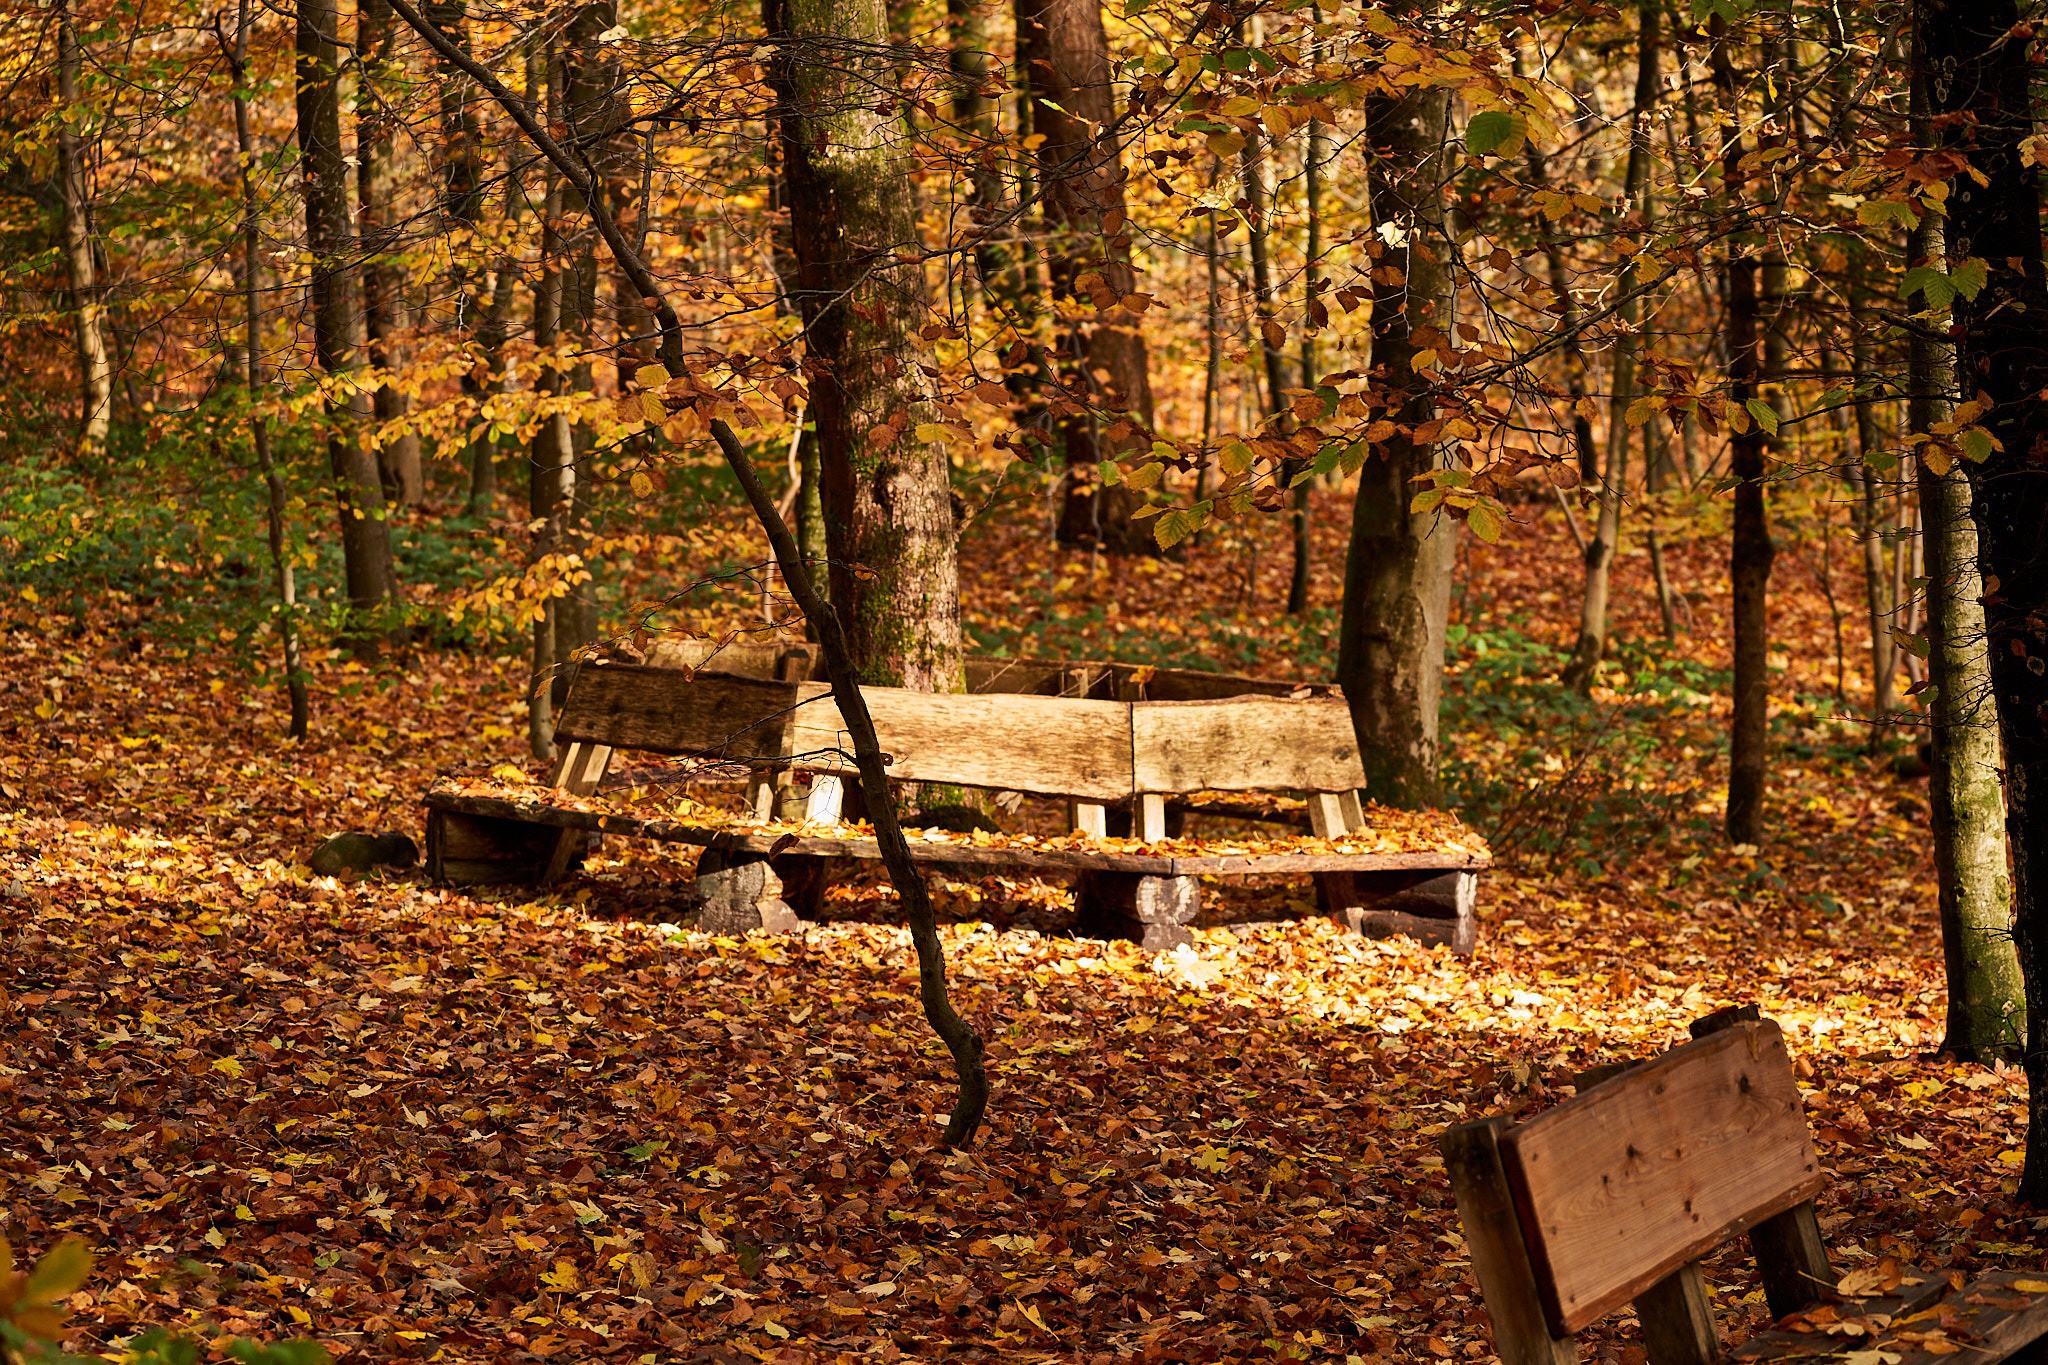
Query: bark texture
[1065, 55]
[1397, 574]
[1976, 68]
[398, 454]
[88, 321]
[861, 290]
[337, 313]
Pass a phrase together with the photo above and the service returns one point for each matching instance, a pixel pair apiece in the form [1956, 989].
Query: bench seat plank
[1407, 866]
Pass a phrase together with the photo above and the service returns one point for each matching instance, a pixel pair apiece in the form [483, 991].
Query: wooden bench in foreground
[1614, 1197]
[1091, 753]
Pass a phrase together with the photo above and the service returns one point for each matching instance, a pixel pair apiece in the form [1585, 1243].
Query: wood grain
[1047, 746]
[1244, 744]
[671, 711]
[1499, 1251]
[1657, 1167]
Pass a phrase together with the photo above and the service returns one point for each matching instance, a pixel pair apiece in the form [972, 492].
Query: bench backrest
[989, 674]
[1615, 1195]
[1075, 747]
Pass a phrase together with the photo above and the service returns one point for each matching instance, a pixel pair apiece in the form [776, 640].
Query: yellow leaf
[60, 1272]
[642, 485]
[652, 408]
[776, 1330]
[562, 1278]
[2030, 1286]
[227, 1066]
[651, 376]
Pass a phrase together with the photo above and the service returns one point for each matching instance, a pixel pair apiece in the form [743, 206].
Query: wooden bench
[1614, 1197]
[1093, 754]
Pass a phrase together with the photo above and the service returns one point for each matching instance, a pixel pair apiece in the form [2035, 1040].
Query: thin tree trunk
[961, 1039]
[460, 173]
[863, 295]
[1397, 574]
[1272, 336]
[1972, 65]
[1064, 52]
[1572, 350]
[1314, 315]
[551, 484]
[276, 501]
[398, 456]
[1750, 550]
[1654, 459]
[970, 60]
[88, 325]
[1870, 515]
[336, 309]
[1591, 646]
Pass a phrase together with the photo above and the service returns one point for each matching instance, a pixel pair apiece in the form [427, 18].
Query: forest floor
[418, 1123]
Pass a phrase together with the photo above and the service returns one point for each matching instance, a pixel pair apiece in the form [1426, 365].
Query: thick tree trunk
[398, 456]
[1750, 547]
[1975, 65]
[1986, 1005]
[860, 286]
[1065, 55]
[336, 309]
[88, 323]
[1397, 575]
[276, 501]
[1591, 646]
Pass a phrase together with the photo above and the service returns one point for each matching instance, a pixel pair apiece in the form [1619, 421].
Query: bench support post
[1438, 910]
[1792, 1259]
[1151, 911]
[741, 892]
[1500, 1256]
[1678, 1319]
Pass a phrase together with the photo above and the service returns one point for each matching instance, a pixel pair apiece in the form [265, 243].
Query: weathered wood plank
[1806, 1337]
[1500, 1254]
[669, 711]
[1244, 744]
[1658, 1167]
[1048, 746]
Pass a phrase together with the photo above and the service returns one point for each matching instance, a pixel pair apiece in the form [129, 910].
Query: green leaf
[1977, 444]
[61, 1271]
[646, 1150]
[1145, 475]
[1969, 276]
[1427, 500]
[1174, 527]
[1493, 130]
[1876, 213]
[1487, 522]
[1930, 284]
[1766, 415]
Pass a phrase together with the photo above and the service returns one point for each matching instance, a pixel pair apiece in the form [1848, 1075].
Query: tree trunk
[1272, 336]
[337, 338]
[862, 292]
[1397, 575]
[1065, 55]
[1869, 511]
[1314, 316]
[458, 157]
[1750, 547]
[1986, 1005]
[276, 500]
[88, 325]
[551, 481]
[398, 456]
[971, 63]
[1974, 66]
[1591, 646]
[1572, 350]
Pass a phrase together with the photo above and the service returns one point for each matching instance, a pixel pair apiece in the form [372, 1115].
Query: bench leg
[804, 882]
[1438, 910]
[741, 893]
[1151, 911]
